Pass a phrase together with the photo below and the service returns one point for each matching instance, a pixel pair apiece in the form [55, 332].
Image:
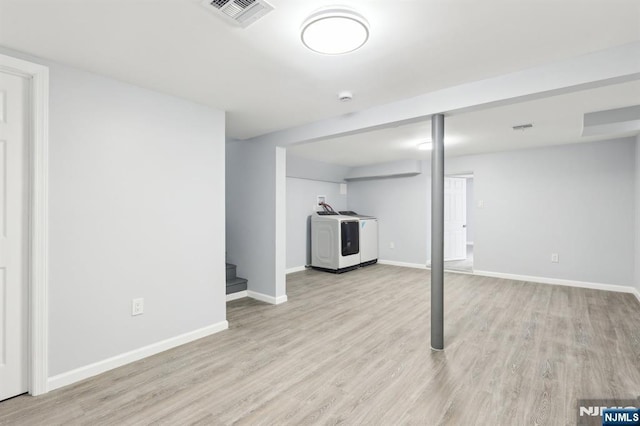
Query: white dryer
[368, 237]
[335, 242]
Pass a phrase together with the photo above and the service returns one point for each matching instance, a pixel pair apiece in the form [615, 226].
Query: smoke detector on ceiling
[241, 13]
[345, 96]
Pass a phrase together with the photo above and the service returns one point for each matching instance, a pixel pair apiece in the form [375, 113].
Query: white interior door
[455, 218]
[13, 233]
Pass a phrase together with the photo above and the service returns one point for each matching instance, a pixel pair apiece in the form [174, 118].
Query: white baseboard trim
[557, 281]
[528, 278]
[266, 298]
[237, 295]
[453, 271]
[99, 367]
[403, 264]
[296, 269]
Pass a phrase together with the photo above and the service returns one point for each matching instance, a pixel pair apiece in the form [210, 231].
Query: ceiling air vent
[240, 12]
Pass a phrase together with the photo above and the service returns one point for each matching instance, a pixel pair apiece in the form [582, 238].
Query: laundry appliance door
[350, 234]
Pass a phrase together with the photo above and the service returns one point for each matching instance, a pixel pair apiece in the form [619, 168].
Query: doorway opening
[459, 223]
[36, 140]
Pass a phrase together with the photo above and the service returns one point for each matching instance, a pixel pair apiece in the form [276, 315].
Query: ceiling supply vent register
[242, 13]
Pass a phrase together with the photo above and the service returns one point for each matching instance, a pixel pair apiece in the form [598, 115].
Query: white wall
[637, 264]
[136, 194]
[403, 208]
[301, 199]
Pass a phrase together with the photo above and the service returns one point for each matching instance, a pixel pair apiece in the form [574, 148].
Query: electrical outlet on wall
[137, 306]
[555, 258]
[392, 245]
[319, 200]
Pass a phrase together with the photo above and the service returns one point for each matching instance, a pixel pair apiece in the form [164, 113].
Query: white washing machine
[335, 242]
[368, 237]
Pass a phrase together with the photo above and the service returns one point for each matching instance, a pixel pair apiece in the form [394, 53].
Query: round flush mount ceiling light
[335, 31]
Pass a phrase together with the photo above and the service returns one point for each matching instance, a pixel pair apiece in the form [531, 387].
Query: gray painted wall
[574, 200]
[136, 189]
[250, 212]
[638, 213]
[470, 211]
[403, 208]
[301, 200]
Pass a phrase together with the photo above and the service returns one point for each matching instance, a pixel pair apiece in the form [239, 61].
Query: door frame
[37, 197]
[465, 214]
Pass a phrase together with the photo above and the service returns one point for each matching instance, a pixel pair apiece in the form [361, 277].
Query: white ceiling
[556, 120]
[267, 80]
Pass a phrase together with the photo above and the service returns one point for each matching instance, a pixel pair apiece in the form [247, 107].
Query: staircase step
[231, 271]
[236, 280]
[236, 285]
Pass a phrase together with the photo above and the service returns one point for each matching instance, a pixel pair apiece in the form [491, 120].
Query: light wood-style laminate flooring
[354, 349]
